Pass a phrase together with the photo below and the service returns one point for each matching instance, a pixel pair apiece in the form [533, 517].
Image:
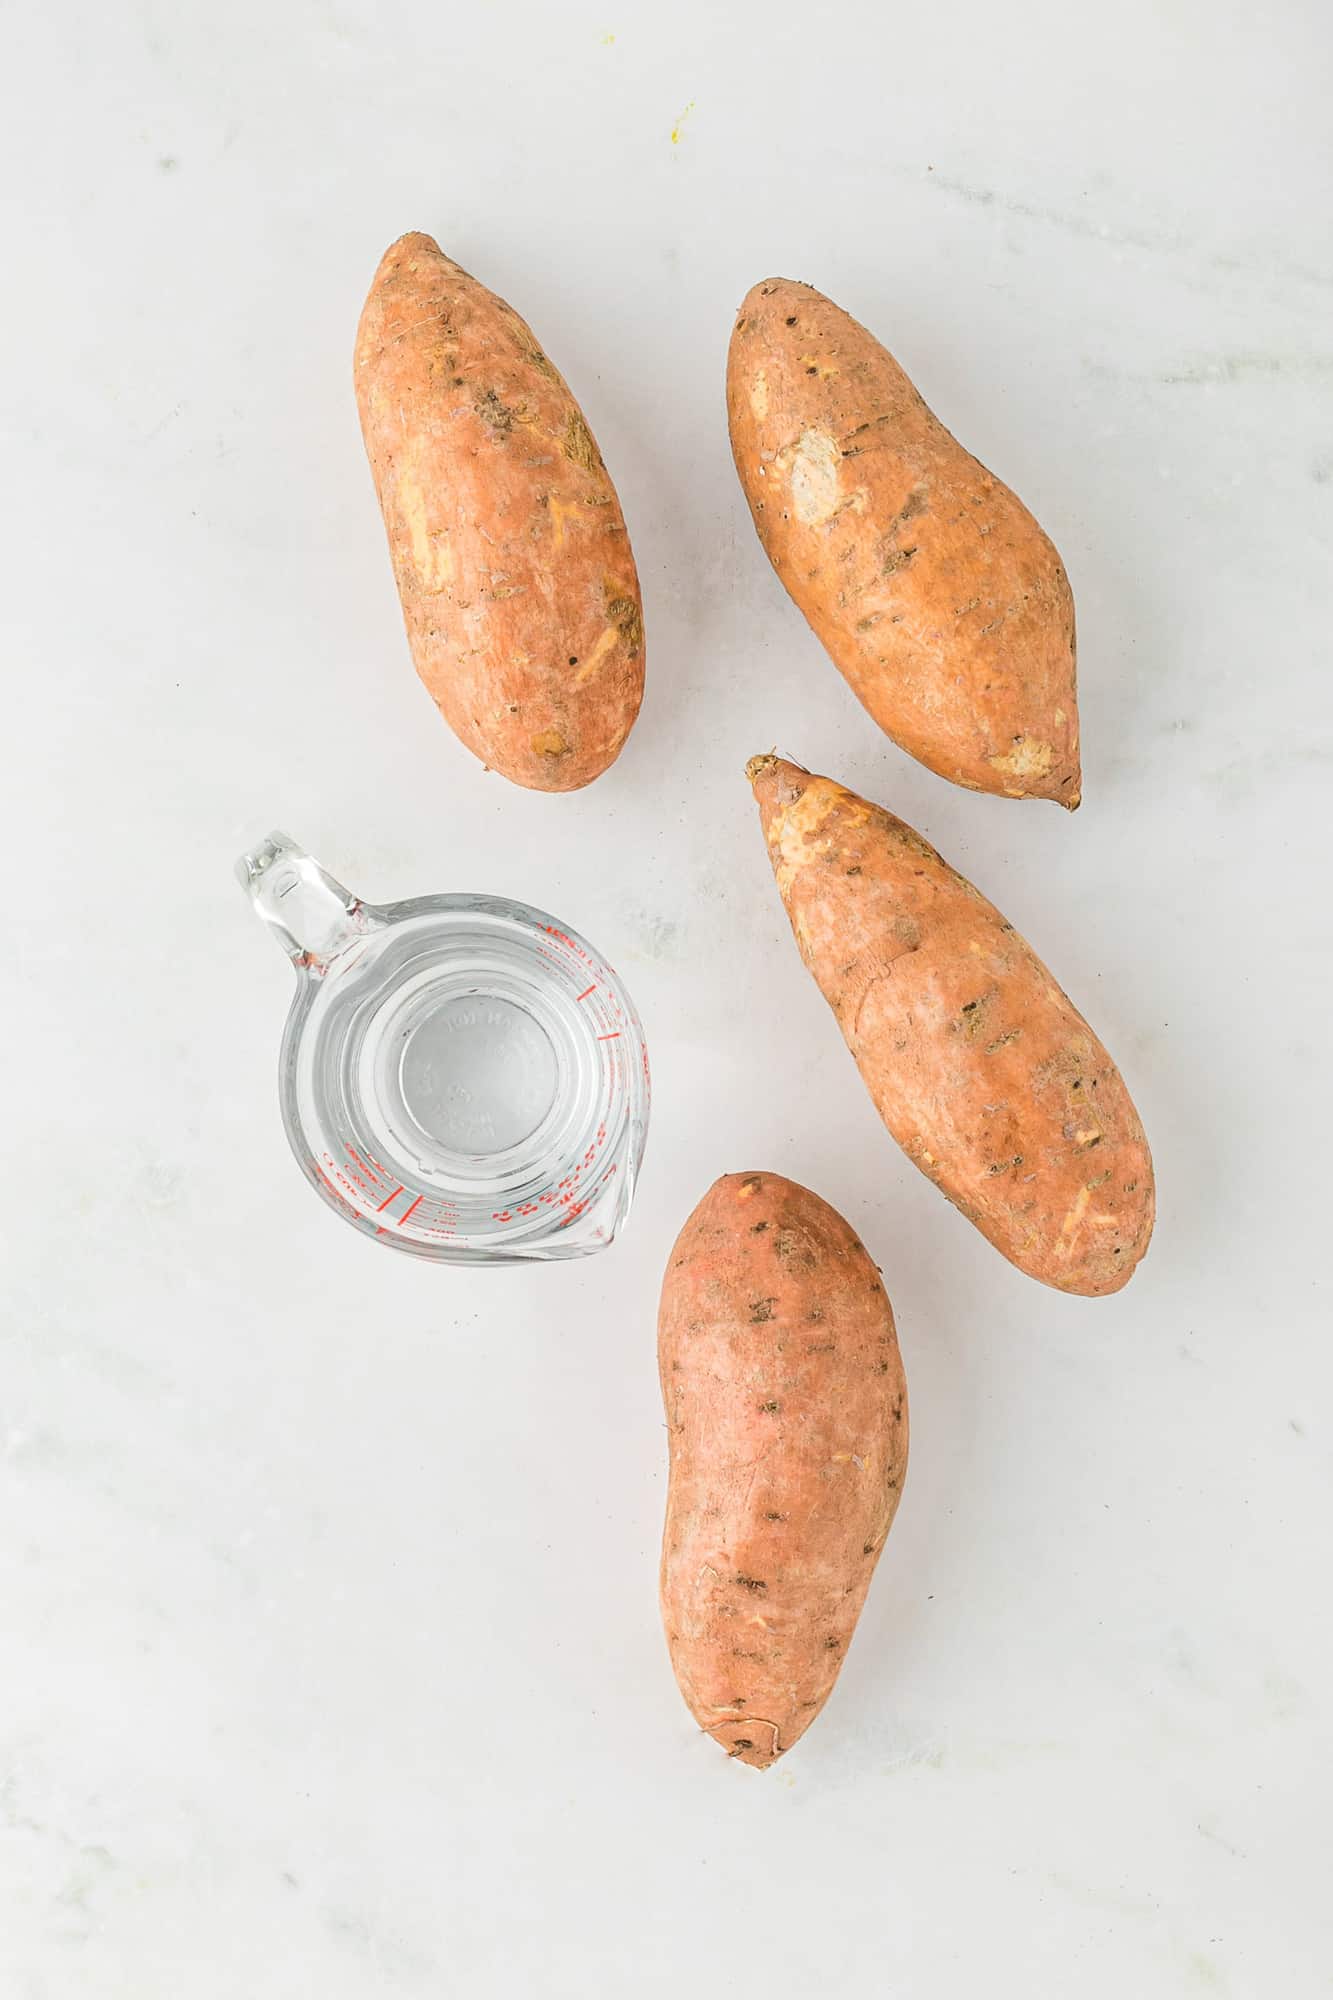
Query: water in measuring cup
[462, 1076]
[478, 1074]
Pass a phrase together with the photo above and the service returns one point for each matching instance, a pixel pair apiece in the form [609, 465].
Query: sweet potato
[930, 585]
[983, 1070]
[786, 1414]
[514, 568]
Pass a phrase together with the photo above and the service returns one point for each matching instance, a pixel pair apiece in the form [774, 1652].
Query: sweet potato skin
[928, 582]
[786, 1410]
[981, 1067]
[517, 582]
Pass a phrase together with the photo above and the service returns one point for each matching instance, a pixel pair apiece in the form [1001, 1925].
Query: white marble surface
[329, 1653]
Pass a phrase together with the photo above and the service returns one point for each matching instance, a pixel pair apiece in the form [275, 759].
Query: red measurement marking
[388, 1198]
[341, 1199]
[410, 1211]
[610, 1038]
[591, 989]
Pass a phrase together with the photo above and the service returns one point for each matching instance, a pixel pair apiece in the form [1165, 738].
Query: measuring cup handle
[313, 917]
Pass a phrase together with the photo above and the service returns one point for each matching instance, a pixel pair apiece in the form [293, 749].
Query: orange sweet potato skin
[517, 582]
[929, 584]
[786, 1411]
[983, 1070]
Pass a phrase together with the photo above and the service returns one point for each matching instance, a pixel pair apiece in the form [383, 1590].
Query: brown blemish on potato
[975, 1013]
[496, 415]
[795, 1250]
[578, 444]
[625, 615]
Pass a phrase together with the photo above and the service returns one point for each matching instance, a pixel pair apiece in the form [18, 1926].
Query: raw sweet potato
[982, 1069]
[786, 1414]
[513, 565]
[930, 585]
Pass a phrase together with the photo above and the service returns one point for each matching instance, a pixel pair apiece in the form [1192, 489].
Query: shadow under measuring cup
[461, 1076]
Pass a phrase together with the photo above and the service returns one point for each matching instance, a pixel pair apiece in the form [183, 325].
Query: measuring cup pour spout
[313, 917]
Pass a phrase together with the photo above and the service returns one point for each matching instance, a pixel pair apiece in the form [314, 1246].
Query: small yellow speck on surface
[607, 41]
[1075, 1215]
[597, 655]
[432, 557]
[679, 125]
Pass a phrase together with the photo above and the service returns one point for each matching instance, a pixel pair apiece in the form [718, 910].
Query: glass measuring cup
[461, 1076]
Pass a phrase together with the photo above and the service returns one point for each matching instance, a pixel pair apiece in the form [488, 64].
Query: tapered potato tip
[775, 780]
[405, 274]
[412, 243]
[749, 1742]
